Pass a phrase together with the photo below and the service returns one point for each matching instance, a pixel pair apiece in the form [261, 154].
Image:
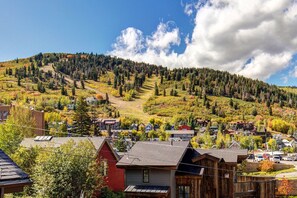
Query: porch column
[1, 192]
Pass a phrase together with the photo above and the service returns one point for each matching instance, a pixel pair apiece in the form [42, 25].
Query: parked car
[275, 159]
[288, 158]
[251, 156]
[293, 156]
[259, 158]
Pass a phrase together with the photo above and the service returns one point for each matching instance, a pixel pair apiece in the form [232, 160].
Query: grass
[145, 105]
[273, 173]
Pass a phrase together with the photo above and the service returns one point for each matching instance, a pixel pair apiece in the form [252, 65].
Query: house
[219, 172]
[185, 135]
[37, 115]
[184, 127]
[71, 106]
[114, 177]
[149, 127]
[202, 123]
[105, 124]
[92, 100]
[134, 126]
[12, 178]
[151, 168]
[175, 169]
[234, 145]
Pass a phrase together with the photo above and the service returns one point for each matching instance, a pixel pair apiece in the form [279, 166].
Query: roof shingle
[154, 154]
[10, 173]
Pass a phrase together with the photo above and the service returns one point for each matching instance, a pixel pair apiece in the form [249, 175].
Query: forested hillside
[141, 90]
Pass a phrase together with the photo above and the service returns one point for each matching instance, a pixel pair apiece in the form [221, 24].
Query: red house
[114, 177]
[184, 127]
[106, 156]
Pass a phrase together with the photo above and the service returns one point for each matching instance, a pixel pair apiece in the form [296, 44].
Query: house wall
[156, 177]
[38, 116]
[173, 184]
[184, 127]
[115, 176]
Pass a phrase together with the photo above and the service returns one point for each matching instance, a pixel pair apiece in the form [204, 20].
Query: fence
[254, 187]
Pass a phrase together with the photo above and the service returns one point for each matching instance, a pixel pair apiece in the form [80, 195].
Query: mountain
[141, 90]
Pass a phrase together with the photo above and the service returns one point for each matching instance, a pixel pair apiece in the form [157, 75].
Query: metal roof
[10, 173]
[58, 141]
[147, 189]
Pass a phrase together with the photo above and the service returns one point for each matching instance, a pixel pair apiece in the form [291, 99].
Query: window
[145, 176]
[183, 191]
[104, 168]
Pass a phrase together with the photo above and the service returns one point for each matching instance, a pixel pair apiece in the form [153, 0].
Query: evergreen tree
[63, 91]
[82, 84]
[270, 111]
[183, 87]
[254, 112]
[19, 81]
[82, 120]
[156, 89]
[231, 103]
[121, 90]
[73, 91]
[164, 92]
[106, 98]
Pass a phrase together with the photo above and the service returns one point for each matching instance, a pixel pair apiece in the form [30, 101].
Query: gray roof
[228, 155]
[181, 132]
[147, 189]
[10, 173]
[58, 141]
[154, 154]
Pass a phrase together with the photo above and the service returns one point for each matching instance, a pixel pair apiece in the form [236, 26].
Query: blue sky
[33, 26]
[171, 33]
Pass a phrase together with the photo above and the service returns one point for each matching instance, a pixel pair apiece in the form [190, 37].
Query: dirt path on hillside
[126, 108]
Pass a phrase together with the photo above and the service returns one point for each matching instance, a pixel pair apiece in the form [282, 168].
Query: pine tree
[73, 90]
[19, 81]
[254, 112]
[270, 111]
[82, 83]
[231, 103]
[156, 89]
[82, 120]
[121, 90]
[106, 98]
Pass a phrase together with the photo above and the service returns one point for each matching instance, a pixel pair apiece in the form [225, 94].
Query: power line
[152, 143]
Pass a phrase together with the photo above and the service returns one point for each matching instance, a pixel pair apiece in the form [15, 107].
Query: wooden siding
[260, 187]
[193, 181]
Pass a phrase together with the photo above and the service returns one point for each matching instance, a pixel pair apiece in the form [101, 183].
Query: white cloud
[163, 38]
[130, 43]
[294, 73]
[227, 33]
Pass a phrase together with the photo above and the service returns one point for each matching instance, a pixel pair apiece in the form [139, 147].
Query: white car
[259, 158]
[275, 159]
[288, 158]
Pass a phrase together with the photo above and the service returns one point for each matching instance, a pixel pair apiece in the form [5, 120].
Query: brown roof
[10, 173]
[228, 155]
[155, 154]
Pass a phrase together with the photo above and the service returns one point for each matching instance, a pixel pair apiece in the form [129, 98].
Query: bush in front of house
[266, 166]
